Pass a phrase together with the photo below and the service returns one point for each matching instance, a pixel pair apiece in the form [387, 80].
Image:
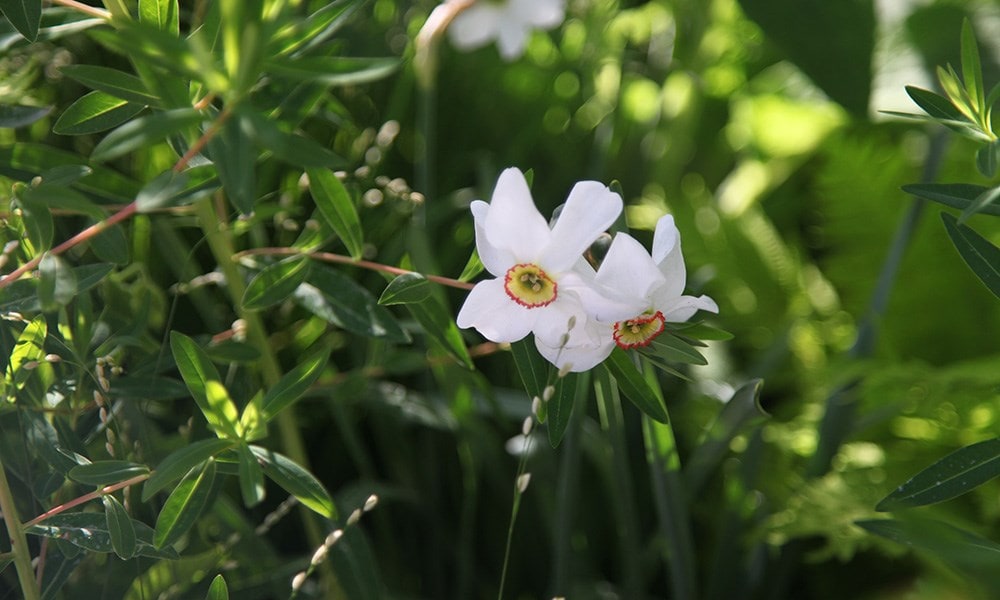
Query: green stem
[566, 488]
[217, 233]
[18, 541]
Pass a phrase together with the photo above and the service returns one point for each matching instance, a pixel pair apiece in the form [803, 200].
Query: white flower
[509, 22]
[653, 284]
[536, 289]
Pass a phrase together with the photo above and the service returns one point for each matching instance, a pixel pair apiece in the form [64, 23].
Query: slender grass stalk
[18, 541]
[520, 485]
[613, 422]
[566, 489]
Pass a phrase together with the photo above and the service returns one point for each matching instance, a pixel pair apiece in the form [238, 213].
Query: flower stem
[93, 11]
[104, 491]
[18, 541]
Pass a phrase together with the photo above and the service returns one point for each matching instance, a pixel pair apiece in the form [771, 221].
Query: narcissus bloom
[509, 22]
[536, 289]
[653, 284]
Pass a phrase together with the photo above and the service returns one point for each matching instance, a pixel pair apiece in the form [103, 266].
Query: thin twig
[93, 11]
[347, 260]
[104, 491]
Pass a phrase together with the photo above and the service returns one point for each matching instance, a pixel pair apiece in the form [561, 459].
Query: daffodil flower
[536, 288]
[509, 22]
[654, 284]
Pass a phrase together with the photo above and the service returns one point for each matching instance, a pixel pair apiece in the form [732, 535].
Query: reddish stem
[104, 491]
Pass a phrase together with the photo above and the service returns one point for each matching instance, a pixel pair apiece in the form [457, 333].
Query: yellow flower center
[529, 286]
[638, 331]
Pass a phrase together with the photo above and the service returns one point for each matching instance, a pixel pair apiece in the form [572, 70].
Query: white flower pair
[545, 287]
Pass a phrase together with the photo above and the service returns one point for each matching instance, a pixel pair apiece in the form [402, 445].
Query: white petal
[475, 26]
[629, 269]
[582, 356]
[512, 37]
[496, 260]
[494, 314]
[599, 302]
[590, 209]
[683, 308]
[667, 255]
[552, 322]
[543, 14]
[513, 222]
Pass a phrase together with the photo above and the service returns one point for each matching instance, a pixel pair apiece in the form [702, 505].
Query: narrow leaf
[13, 116]
[95, 112]
[218, 590]
[113, 82]
[977, 252]
[275, 283]
[120, 528]
[145, 131]
[89, 531]
[952, 476]
[634, 386]
[942, 540]
[956, 195]
[56, 283]
[291, 148]
[24, 15]
[559, 408]
[472, 268]
[972, 70]
[335, 204]
[174, 466]
[185, 504]
[296, 481]
[533, 369]
[339, 300]
[294, 384]
[987, 198]
[334, 70]
[29, 348]
[251, 476]
[936, 105]
[233, 154]
[988, 159]
[107, 472]
[199, 375]
[406, 289]
[161, 14]
[166, 189]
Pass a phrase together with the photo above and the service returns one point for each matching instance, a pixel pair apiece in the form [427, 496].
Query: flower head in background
[536, 287]
[653, 284]
[509, 22]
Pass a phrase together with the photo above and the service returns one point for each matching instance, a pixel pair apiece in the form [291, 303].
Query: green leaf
[315, 29]
[472, 268]
[203, 380]
[335, 204]
[956, 195]
[65, 175]
[90, 531]
[113, 82]
[161, 14]
[952, 476]
[24, 15]
[37, 220]
[296, 481]
[106, 472]
[339, 300]
[559, 408]
[23, 161]
[294, 149]
[176, 55]
[988, 158]
[987, 198]
[185, 504]
[408, 288]
[633, 385]
[977, 252]
[236, 161]
[174, 466]
[95, 112]
[13, 116]
[672, 348]
[120, 528]
[972, 70]
[145, 131]
[533, 369]
[936, 106]
[251, 476]
[333, 70]
[294, 384]
[275, 283]
[166, 189]
[438, 323]
[942, 540]
[29, 348]
[218, 590]
[56, 283]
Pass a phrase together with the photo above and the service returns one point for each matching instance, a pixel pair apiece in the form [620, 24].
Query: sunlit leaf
[95, 112]
[634, 387]
[218, 590]
[952, 476]
[29, 349]
[112, 81]
[120, 528]
[472, 268]
[935, 105]
[251, 476]
[107, 472]
[406, 289]
[296, 481]
[174, 466]
[202, 379]
[275, 283]
[335, 204]
[977, 252]
[161, 14]
[315, 29]
[294, 384]
[972, 70]
[185, 504]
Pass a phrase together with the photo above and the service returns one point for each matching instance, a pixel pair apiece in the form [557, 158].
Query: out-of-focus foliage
[199, 350]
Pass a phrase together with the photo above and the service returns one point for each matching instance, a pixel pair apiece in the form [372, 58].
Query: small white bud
[523, 481]
[110, 449]
[527, 425]
[565, 369]
[355, 517]
[536, 405]
[548, 392]
[571, 323]
[31, 365]
[370, 503]
[53, 358]
[298, 580]
[319, 555]
[333, 537]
